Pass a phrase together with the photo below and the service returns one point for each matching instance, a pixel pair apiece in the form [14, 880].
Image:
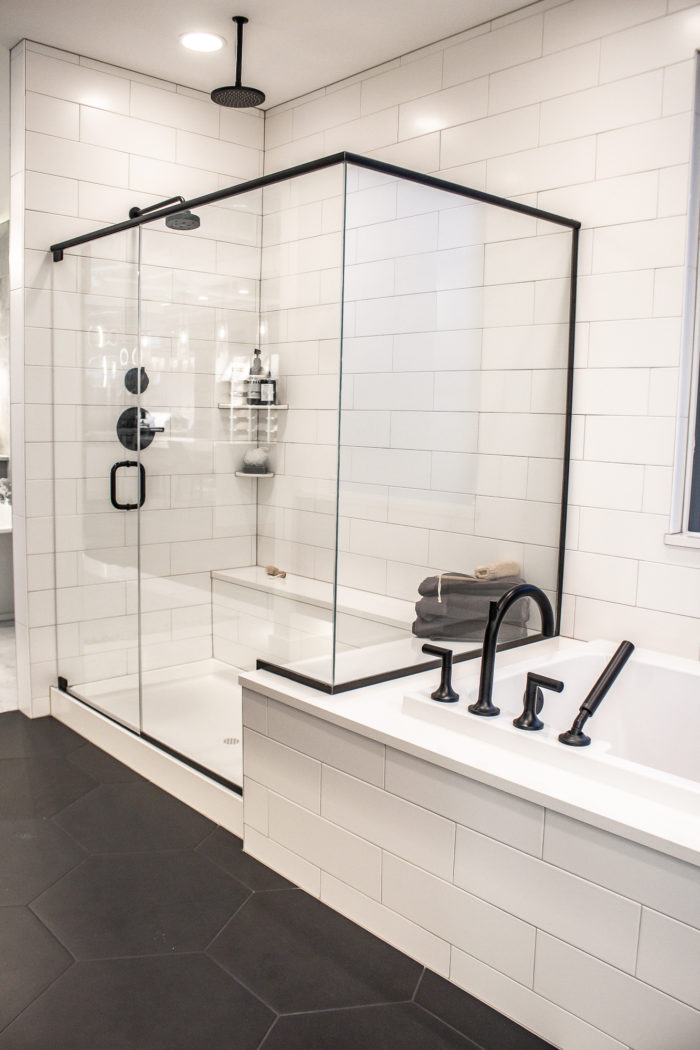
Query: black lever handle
[533, 700]
[113, 485]
[444, 693]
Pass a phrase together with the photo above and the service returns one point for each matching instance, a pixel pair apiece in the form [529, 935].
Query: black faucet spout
[497, 611]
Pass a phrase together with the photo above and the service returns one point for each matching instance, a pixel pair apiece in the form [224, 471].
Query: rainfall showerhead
[236, 95]
[182, 220]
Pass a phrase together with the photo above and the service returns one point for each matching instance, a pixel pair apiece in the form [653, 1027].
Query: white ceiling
[289, 48]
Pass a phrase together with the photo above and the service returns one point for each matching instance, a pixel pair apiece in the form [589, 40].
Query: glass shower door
[97, 487]
[198, 327]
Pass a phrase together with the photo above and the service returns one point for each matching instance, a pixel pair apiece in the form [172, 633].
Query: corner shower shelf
[252, 474]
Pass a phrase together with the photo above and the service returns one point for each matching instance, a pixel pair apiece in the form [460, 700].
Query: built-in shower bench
[267, 617]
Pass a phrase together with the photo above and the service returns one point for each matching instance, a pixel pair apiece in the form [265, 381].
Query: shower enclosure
[420, 336]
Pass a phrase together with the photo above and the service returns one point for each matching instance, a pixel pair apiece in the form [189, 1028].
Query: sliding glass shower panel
[198, 324]
[95, 353]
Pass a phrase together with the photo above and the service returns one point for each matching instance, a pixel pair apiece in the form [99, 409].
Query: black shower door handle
[113, 485]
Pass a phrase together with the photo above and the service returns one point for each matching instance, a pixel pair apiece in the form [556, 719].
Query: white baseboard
[195, 789]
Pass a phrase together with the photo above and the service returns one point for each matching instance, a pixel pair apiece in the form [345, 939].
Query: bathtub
[559, 885]
[644, 736]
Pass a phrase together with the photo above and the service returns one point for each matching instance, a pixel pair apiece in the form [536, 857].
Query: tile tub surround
[500, 888]
[111, 891]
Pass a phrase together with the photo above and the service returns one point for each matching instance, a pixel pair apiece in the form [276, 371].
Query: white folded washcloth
[496, 570]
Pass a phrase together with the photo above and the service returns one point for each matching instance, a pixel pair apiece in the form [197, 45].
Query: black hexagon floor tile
[33, 855]
[297, 954]
[140, 904]
[178, 1003]
[31, 959]
[226, 850]
[124, 818]
[21, 736]
[101, 766]
[39, 786]
[397, 1026]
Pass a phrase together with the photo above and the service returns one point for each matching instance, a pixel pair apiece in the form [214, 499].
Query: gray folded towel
[467, 631]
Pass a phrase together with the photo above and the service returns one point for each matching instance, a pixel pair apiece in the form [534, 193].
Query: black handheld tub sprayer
[574, 737]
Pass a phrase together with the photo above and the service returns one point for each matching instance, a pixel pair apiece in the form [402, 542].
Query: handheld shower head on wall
[236, 95]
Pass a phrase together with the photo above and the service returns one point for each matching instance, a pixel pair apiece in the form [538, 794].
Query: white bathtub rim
[670, 825]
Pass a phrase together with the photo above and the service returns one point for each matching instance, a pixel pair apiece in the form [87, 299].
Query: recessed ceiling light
[202, 41]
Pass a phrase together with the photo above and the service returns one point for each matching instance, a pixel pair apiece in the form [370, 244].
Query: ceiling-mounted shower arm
[135, 212]
[240, 21]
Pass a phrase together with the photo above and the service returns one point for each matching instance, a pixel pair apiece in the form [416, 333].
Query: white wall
[582, 108]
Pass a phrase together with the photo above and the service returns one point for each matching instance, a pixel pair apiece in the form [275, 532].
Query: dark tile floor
[130, 922]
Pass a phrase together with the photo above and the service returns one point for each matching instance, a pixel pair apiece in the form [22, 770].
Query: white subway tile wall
[583, 108]
[589, 940]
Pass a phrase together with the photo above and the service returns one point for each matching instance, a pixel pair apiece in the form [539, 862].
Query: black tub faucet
[497, 611]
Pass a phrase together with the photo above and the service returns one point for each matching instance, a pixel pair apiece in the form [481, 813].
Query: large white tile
[569, 24]
[643, 874]
[53, 116]
[415, 78]
[634, 343]
[616, 486]
[76, 160]
[643, 147]
[255, 805]
[542, 78]
[532, 1011]
[628, 198]
[478, 806]
[173, 109]
[407, 936]
[322, 843]
[443, 109]
[630, 439]
[623, 1007]
[77, 83]
[493, 936]
[669, 588]
[283, 770]
[600, 576]
[354, 754]
[411, 832]
[620, 104]
[600, 922]
[489, 137]
[640, 245]
[649, 46]
[669, 957]
[544, 168]
[491, 51]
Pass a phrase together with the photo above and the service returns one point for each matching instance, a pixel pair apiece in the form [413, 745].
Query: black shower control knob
[136, 380]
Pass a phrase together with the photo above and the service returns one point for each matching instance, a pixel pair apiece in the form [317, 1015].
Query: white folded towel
[496, 570]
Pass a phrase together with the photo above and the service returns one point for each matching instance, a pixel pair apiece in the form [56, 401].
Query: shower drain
[232, 740]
